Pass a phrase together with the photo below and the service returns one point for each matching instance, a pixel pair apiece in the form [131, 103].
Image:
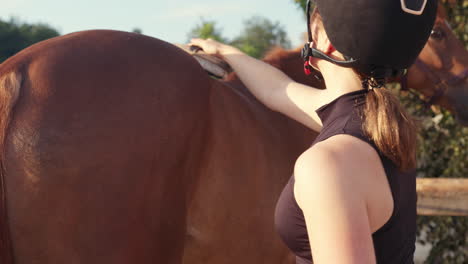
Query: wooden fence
[442, 196]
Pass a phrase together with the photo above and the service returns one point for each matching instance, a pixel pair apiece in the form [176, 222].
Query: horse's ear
[441, 12]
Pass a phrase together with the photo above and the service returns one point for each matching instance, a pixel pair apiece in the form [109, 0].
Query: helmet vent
[414, 7]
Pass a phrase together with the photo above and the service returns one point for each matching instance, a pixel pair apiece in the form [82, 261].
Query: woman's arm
[329, 188]
[269, 85]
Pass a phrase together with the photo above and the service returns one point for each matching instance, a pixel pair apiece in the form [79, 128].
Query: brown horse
[103, 149]
[117, 148]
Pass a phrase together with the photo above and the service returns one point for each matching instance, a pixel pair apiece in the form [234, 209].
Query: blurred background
[255, 27]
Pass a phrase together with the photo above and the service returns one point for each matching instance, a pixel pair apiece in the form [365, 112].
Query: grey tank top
[394, 242]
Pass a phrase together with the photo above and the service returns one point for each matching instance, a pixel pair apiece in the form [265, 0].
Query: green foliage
[15, 36]
[258, 36]
[448, 237]
[137, 30]
[458, 18]
[302, 4]
[442, 152]
[206, 29]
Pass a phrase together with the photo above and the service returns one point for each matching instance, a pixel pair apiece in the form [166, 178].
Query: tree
[302, 4]
[15, 36]
[137, 30]
[206, 29]
[259, 35]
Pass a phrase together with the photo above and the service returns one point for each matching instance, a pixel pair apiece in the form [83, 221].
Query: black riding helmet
[379, 38]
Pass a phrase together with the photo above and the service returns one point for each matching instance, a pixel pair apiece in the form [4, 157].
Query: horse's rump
[101, 152]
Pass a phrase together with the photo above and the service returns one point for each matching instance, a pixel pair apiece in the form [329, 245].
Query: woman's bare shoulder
[342, 160]
[341, 152]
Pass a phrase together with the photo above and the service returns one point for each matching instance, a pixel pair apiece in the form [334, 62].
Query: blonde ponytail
[391, 128]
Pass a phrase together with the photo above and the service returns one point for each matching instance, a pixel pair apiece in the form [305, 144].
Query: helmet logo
[414, 7]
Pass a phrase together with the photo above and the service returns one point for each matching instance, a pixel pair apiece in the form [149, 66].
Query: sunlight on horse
[120, 149]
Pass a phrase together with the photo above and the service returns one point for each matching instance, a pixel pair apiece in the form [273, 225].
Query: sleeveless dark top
[394, 242]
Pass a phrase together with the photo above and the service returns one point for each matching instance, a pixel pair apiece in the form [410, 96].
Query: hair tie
[371, 83]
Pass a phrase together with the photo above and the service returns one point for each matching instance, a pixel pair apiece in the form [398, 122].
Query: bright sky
[169, 20]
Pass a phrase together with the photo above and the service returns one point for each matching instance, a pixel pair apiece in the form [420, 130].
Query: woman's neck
[338, 80]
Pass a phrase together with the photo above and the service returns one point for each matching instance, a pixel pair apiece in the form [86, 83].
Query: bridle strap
[428, 71]
[441, 86]
[309, 51]
[458, 78]
[309, 30]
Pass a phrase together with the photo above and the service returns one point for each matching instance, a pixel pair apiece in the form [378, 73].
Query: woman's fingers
[208, 45]
[200, 43]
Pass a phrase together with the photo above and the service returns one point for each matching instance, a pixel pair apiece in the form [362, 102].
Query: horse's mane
[277, 54]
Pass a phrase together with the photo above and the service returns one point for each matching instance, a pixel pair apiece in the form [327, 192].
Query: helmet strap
[308, 51]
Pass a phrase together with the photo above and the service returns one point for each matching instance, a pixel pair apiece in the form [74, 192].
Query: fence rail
[442, 196]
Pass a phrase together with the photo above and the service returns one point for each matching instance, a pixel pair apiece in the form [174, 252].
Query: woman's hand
[212, 46]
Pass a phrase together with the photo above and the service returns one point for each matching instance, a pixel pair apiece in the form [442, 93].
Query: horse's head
[441, 70]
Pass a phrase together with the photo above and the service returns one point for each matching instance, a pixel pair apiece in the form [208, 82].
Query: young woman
[352, 198]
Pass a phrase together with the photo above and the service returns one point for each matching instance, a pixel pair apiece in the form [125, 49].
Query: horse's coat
[103, 149]
[121, 150]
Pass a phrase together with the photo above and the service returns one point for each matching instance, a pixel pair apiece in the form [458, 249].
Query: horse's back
[101, 150]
